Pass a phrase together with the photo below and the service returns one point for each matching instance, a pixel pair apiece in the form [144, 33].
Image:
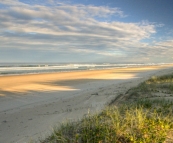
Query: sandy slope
[31, 104]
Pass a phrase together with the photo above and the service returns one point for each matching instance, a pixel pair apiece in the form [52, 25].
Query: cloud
[71, 29]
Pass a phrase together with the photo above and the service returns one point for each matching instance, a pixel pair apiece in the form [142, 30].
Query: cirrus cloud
[70, 29]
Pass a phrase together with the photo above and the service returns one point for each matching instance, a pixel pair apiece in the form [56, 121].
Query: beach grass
[145, 116]
[138, 122]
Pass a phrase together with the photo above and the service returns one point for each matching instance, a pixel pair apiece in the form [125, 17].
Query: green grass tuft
[137, 122]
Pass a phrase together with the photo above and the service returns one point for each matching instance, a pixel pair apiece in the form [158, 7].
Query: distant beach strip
[17, 69]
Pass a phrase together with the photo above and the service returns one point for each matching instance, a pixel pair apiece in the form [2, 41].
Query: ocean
[36, 68]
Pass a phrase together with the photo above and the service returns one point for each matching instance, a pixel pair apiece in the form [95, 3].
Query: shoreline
[26, 113]
[80, 70]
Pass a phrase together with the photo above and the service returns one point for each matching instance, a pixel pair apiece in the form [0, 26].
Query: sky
[108, 31]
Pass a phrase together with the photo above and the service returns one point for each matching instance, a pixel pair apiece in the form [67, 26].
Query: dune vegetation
[143, 115]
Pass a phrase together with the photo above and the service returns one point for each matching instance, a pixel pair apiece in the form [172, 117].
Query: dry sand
[30, 105]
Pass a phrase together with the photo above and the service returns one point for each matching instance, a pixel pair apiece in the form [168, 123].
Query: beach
[31, 104]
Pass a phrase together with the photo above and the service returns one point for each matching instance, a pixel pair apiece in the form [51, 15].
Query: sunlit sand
[52, 81]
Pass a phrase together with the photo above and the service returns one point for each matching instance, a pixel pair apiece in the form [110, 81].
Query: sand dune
[31, 104]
